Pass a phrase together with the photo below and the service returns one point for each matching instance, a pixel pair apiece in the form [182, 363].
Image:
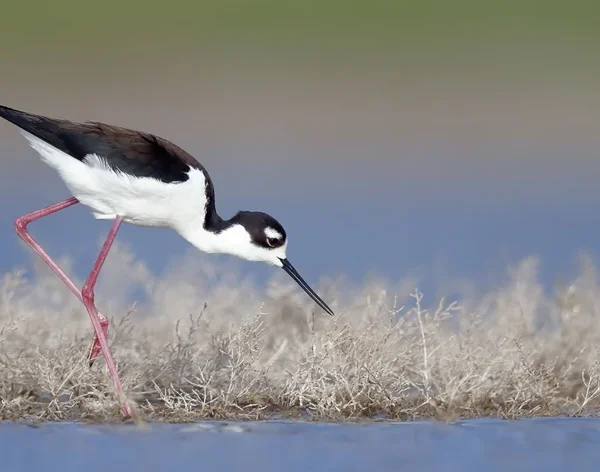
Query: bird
[136, 177]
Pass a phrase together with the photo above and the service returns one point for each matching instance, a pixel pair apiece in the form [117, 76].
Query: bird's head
[256, 236]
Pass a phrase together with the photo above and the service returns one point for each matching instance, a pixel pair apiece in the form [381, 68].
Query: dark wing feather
[125, 150]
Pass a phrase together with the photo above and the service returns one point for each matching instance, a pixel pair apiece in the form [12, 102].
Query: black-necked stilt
[138, 178]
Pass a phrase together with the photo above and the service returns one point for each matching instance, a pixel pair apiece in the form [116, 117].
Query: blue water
[480, 445]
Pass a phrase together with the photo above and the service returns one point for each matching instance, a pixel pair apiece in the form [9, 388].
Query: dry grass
[204, 347]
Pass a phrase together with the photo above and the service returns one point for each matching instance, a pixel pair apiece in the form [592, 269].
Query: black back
[132, 152]
[125, 150]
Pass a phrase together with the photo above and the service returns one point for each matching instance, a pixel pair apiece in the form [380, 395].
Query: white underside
[139, 200]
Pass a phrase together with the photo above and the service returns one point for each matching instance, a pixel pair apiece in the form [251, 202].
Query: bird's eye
[272, 242]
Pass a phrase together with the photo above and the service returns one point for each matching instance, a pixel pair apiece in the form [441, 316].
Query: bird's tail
[46, 129]
[19, 118]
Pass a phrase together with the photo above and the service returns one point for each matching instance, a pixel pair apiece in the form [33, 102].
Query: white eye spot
[271, 233]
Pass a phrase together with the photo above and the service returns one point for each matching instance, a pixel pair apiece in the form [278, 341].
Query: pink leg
[21, 227]
[87, 292]
[99, 321]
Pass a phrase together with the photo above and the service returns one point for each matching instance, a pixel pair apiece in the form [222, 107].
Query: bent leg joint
[21, 224]
[87, 293]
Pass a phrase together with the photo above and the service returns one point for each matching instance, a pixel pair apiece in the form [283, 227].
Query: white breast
[139, 200]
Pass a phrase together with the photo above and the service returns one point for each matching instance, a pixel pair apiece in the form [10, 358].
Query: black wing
[125, 150]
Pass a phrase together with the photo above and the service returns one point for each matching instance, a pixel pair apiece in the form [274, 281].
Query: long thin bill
[289, 268]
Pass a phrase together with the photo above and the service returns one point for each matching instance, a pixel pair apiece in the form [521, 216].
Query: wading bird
[139, 178]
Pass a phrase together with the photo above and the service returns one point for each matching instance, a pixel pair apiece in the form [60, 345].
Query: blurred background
[438, 140]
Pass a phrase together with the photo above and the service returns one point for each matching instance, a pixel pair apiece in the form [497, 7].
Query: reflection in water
[550, 444]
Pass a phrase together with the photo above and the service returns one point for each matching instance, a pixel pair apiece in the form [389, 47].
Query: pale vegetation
[206, 345]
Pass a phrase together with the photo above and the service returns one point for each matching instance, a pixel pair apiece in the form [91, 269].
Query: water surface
[554, 444]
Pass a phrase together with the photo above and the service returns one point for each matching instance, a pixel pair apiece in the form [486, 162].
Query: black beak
[289, 268]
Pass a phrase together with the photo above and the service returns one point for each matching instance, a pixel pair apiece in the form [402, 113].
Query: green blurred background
[466, 131]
